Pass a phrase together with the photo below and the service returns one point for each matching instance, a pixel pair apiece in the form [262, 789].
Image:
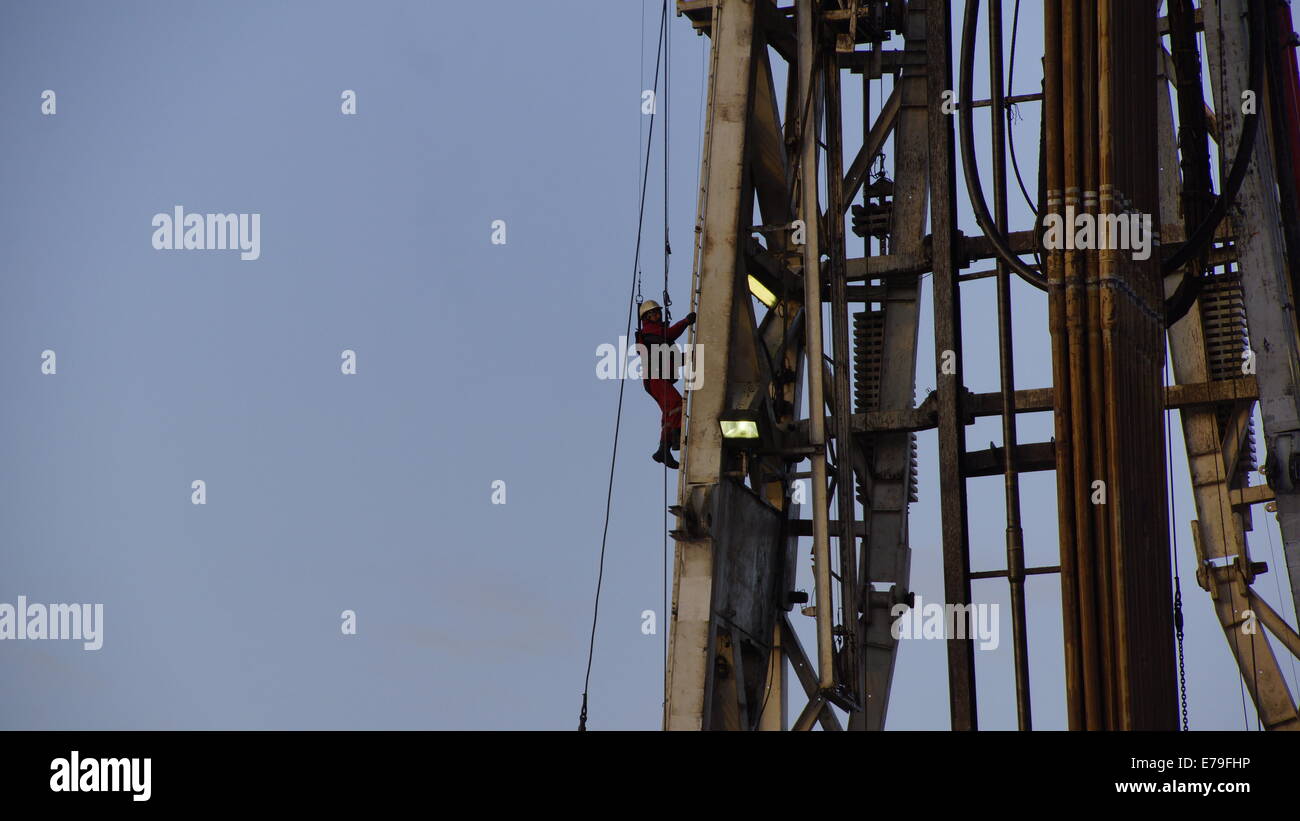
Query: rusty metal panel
[747, 560]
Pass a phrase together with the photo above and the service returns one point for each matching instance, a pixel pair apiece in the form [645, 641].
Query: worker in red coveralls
[659, 372]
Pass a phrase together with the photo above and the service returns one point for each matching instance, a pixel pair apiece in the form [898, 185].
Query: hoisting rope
[667, 320]
[618, 416]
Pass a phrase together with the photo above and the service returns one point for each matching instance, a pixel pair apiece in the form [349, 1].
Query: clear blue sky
[476, 362]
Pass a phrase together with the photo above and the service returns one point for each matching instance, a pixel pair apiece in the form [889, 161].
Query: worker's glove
[690, 318]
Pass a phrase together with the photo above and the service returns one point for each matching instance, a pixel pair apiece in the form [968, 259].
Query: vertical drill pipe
[813, 328]
[1075, 313]
[1053, 174]
[1146, 619]
[1111, 569]
[1011, 478]
[850, 585]
[1101, 445]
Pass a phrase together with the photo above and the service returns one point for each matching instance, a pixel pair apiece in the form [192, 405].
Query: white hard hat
[648, 306]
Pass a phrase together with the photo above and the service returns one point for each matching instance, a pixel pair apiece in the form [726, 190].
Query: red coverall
[670, 401]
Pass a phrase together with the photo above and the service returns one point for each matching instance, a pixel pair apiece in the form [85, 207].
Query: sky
[373, 492]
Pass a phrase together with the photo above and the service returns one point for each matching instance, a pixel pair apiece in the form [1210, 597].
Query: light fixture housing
[741, 426]
[761, 291]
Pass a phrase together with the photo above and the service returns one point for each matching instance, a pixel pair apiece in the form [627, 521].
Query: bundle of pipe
[1106, 315]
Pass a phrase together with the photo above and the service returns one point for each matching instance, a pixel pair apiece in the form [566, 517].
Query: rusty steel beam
[947, 332]
[851, 659]
[1015, 547]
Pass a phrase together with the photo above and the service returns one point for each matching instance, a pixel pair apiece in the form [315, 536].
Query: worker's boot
[665, 455]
